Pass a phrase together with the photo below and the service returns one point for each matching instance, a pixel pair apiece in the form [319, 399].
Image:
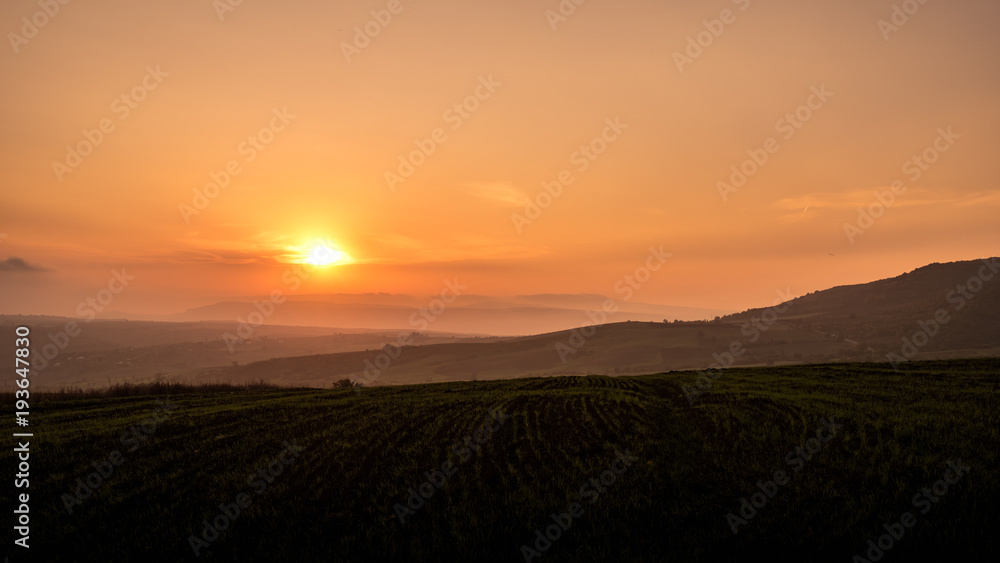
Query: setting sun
[321, 254]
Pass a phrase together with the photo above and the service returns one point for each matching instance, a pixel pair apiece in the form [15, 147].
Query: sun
[323, 254]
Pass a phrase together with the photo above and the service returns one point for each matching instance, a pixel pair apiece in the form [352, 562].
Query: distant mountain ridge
[469, 314]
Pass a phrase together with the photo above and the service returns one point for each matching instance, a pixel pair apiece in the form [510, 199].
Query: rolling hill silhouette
[955, 305]
[882, 312]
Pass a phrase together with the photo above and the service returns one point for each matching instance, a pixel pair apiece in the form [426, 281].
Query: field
[336, 463]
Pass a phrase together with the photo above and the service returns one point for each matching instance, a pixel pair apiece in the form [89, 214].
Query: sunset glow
[199, 164]
[323, 255]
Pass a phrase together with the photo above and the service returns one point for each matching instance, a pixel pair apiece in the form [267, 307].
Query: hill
[467, 314]
[78, 352]
[881, 313]
[889, 320]
[849, 323]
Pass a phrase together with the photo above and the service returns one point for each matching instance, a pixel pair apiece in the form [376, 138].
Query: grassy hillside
[345, 459]
[879, 314]
[610, 349]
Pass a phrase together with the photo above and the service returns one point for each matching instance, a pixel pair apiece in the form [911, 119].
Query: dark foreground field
[337, 462]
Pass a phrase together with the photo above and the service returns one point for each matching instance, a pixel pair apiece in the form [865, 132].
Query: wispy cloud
[980, 198]
[240, 248]
[217, 256]
[407, 250]
[803, 207]
[503, 193]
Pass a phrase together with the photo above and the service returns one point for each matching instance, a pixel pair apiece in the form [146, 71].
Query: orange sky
[208, 82]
